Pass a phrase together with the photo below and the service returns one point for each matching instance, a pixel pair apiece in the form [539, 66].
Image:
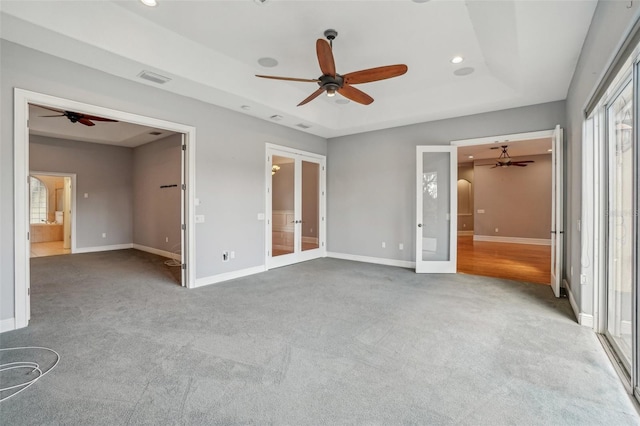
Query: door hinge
[184, 187]
[28, 291]
[184, 147]
[184, 266]
[183, 226]
[28, 236]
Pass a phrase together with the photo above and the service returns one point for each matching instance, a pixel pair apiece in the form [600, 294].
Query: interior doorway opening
[93, 228]
[507, 207]
[51, 213]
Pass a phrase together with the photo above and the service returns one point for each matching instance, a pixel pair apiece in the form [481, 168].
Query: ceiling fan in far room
[505, 160]
[331, 82]
[77, 117]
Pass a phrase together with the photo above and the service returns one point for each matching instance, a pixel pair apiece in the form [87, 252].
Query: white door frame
[515, 138]
[310, 254]
[73, 201]
[22, 99]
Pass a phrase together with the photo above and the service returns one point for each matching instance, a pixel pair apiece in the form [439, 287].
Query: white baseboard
[377, 260]
[103, 248]
[215, 279]
[512, 240]
[461, 233]
[7, 324]
[585, 320]
[163, 253]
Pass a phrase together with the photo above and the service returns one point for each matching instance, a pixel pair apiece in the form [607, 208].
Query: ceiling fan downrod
[331, 35]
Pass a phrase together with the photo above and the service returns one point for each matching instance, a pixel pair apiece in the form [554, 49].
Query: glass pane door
[296, 222]
[620, 224]
[282, 205]
[310, 205]
[436, 200]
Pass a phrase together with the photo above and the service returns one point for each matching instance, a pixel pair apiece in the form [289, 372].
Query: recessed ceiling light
[550, 150]
[342, 101]
[471, 156]
[260, 1]
[151, 3]
[457, 59]
[245, 107]
[464, 71]
[268, 62]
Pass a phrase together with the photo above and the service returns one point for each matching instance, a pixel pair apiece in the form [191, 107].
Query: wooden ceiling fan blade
[375, 74]
[518, 164]
[312, 96]
[304, 80]
[356, 95]
[96, 118]
[47, 116]
[86, 121]
[325, 58]
[522, 162]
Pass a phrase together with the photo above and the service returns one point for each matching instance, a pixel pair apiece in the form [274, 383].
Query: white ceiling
[523, 52]
[491, 152]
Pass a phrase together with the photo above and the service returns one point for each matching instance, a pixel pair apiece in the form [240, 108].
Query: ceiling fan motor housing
[328, 82]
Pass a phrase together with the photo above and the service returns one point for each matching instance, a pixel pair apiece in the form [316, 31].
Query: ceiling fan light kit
[331, 82]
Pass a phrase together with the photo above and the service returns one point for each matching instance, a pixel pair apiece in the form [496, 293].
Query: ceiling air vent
[155, 133]
[156, 78]
[303, 126]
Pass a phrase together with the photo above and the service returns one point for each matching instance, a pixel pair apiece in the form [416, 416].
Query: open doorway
[506, 207]
[51, 213]
[108, 190]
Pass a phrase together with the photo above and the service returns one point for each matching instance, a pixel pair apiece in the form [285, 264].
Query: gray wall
[157, 211]
[371, 177]
[609, 26]
[230, 156]
[516, 200]
[104, 173]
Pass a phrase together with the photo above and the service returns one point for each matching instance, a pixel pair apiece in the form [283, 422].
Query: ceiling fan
[505, 160]
[76, 117]
[332, 82]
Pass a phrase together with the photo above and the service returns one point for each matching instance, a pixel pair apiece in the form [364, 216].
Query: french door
[295, 206]
[621, 223]
[436, 202]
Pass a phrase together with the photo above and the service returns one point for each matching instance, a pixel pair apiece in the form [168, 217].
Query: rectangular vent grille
[303, 126]
[156, 78]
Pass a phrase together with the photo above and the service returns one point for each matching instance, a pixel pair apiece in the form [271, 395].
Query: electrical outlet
[166, 239]
[104, 235]
[225, 256]
[232, 255]
[400, 246]
[496, 229]
[384, 245]
[199, 218]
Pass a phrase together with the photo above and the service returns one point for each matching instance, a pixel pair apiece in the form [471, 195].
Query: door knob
[419, 225]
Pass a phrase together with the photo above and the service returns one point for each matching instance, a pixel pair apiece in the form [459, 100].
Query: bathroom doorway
[51, 213]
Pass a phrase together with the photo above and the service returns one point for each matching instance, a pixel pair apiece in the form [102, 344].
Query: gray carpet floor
[322, 342]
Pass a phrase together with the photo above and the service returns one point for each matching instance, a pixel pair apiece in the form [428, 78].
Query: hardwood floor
[51, 248]
[520, 262]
